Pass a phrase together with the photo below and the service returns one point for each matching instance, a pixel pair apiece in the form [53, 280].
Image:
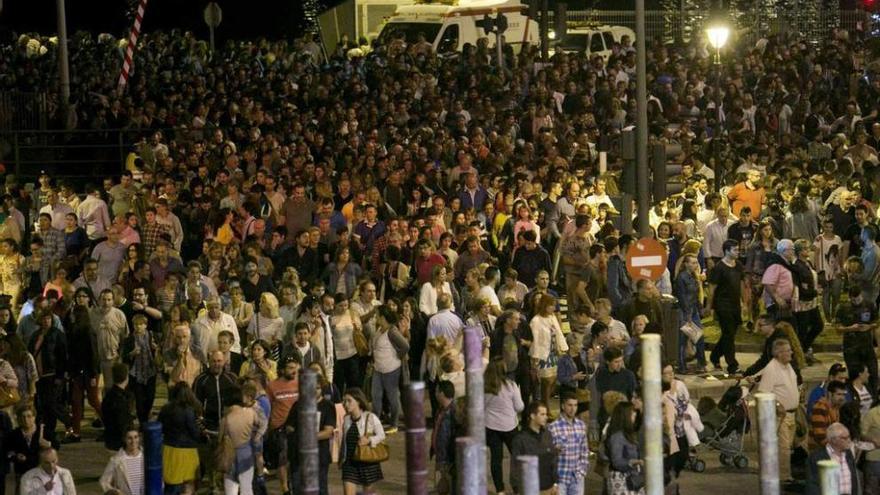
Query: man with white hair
[778, 281]
[182, 362]
[208, 326]
[779, 378]
[838, 449]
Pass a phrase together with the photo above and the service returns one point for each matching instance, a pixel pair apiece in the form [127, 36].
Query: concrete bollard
[768, 451]
[530, 483]
[153, 458]
[473, 350]
[829, 477]
[652, 414]
[307, 430]
[416, 444]
[467, 453]
[476, 397]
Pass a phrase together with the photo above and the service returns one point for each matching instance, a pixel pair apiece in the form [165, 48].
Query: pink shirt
[778, 277]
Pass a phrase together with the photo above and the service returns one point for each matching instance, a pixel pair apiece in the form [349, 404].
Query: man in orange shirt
[283, 393]
[748, 193]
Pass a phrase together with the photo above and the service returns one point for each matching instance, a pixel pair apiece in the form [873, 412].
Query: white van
[449, 24]
[594, 40]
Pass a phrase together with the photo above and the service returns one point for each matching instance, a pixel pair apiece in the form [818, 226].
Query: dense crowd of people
[280, 212]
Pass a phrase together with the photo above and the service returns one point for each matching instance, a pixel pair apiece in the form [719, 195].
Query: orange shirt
[283, 394]
[740, 196]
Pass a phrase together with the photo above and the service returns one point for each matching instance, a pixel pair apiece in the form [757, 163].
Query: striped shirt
[134, 472]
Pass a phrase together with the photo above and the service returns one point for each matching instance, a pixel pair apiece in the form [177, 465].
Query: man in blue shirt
[837, 372]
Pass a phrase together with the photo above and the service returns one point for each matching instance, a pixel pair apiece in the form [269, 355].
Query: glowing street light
[718, 34]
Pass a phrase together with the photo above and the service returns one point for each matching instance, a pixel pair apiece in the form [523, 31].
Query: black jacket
[821, 454]
[235, 362]
[117, 410]
[802, 274]
[52, 352]
[214, 392]
[83, 351]
[529, 442]
[16, 444]
[308, 265]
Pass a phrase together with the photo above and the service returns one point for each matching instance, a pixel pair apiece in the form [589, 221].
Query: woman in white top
[503, 403]
[548, 343]
[267, 324]
[430, 290]
[125, 471]
[677, 399]
[344, 324]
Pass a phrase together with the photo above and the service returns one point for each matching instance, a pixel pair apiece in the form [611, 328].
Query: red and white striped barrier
[132, 42]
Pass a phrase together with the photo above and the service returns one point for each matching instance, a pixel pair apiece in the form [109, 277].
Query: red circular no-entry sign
[646, 258]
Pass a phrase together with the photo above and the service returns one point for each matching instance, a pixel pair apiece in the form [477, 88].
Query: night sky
[241, 18]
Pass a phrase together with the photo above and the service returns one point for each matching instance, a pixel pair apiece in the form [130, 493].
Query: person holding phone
[857, 320]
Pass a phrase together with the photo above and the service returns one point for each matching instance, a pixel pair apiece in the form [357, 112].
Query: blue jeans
[387, 385]
[575, 487]
[694, 317]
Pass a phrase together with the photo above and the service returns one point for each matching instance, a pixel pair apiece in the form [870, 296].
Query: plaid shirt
[571, 440]
[150, 236]
[845, 487]
[54, 248]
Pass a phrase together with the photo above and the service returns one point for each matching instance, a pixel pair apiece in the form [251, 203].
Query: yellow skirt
[179, 465]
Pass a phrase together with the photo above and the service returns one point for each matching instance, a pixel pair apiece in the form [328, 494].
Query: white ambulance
[449, 24]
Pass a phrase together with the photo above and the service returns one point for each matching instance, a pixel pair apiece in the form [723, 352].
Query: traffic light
[487, 24]
[666, 177]
[490, 25]
[501, 23]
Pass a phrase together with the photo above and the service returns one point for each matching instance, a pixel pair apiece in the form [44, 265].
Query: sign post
[646, 258]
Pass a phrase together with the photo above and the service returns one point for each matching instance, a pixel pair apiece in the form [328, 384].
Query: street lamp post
[717, 33]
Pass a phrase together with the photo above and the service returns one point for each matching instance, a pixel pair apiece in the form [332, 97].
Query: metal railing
[23, 110]
[74, 154]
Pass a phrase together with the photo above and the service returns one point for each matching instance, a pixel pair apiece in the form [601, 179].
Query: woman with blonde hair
[267, 324]
[691, 247]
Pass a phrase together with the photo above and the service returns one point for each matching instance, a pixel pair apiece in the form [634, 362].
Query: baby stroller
[724, 428]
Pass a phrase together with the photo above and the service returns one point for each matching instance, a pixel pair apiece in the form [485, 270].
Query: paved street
[87, 459]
